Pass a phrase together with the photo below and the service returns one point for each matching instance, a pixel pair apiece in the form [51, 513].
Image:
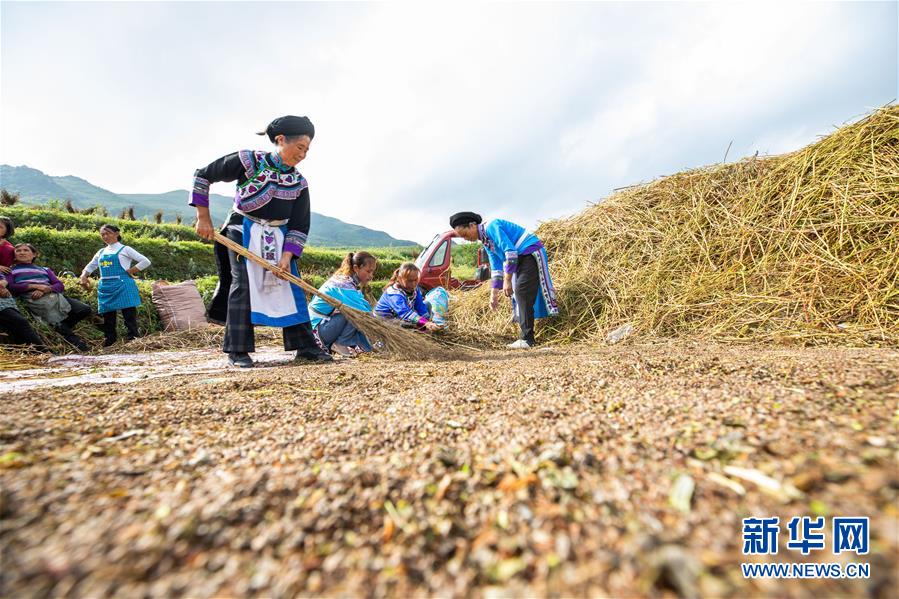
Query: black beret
[289, 126]
[460, 219]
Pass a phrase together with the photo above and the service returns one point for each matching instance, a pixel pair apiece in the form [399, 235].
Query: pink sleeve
[7, 253]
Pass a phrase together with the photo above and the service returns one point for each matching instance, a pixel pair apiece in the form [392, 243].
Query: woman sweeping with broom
[270, 218]
[519, 268]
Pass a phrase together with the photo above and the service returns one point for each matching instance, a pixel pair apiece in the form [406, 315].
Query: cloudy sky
[525, 111]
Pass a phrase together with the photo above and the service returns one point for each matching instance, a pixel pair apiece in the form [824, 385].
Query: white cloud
[708, 75]
[522, 110]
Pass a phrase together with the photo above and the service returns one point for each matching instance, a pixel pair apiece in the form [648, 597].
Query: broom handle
[288, 276]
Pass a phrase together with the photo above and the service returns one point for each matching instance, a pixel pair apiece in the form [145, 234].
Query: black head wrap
[289, 126]
[460, 219]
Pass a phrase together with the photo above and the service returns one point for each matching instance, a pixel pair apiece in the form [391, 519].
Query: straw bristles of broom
[403, 343]
[798, 248]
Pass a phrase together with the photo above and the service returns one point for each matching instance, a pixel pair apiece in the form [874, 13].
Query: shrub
[28, 216]
[374, 291]
[71, 250]
[7, 198]
[401, 253]
[323, 263]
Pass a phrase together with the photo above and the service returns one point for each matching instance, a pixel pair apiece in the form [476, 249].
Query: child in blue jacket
[402, 299]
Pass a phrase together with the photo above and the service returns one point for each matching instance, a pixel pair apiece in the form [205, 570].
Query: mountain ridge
[35, 186]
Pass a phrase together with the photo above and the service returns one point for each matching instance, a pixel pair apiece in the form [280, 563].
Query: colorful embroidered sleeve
[511, 265]
[298, 225]
[227, 168]
[496, 269]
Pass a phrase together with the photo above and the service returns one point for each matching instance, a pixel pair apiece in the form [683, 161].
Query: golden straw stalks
[797, 248]
[401, 342]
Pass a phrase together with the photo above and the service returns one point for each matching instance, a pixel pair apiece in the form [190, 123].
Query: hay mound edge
[797, 248]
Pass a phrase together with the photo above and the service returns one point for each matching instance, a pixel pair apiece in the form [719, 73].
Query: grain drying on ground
[574, 470]
[551, 471]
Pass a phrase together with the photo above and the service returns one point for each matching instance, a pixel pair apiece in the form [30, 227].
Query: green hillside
[68, 241]
[36, 187]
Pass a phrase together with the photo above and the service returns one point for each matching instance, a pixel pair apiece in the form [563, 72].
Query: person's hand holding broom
[204, 223]
[283, 268]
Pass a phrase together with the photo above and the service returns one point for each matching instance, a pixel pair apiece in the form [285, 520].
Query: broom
[397, 340]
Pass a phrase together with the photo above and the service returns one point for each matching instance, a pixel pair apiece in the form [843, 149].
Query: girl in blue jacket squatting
[518, 266]
[402, 299]
[335, 332]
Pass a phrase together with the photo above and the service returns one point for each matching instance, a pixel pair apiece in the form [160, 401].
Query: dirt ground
[622, 470]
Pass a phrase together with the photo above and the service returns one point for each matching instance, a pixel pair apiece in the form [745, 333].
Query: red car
[436, 264]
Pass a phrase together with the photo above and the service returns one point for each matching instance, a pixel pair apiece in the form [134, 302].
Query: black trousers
[129, 315]
[217, 311]
[527, 285]
[239, 335]
[14, 324]
[79, 312]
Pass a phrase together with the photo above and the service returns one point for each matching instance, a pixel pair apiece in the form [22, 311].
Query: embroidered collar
[410, 295]
[275, 161]
[482, 236]
[346, 281]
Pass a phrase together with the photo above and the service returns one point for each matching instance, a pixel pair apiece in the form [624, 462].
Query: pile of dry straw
[802, 247]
